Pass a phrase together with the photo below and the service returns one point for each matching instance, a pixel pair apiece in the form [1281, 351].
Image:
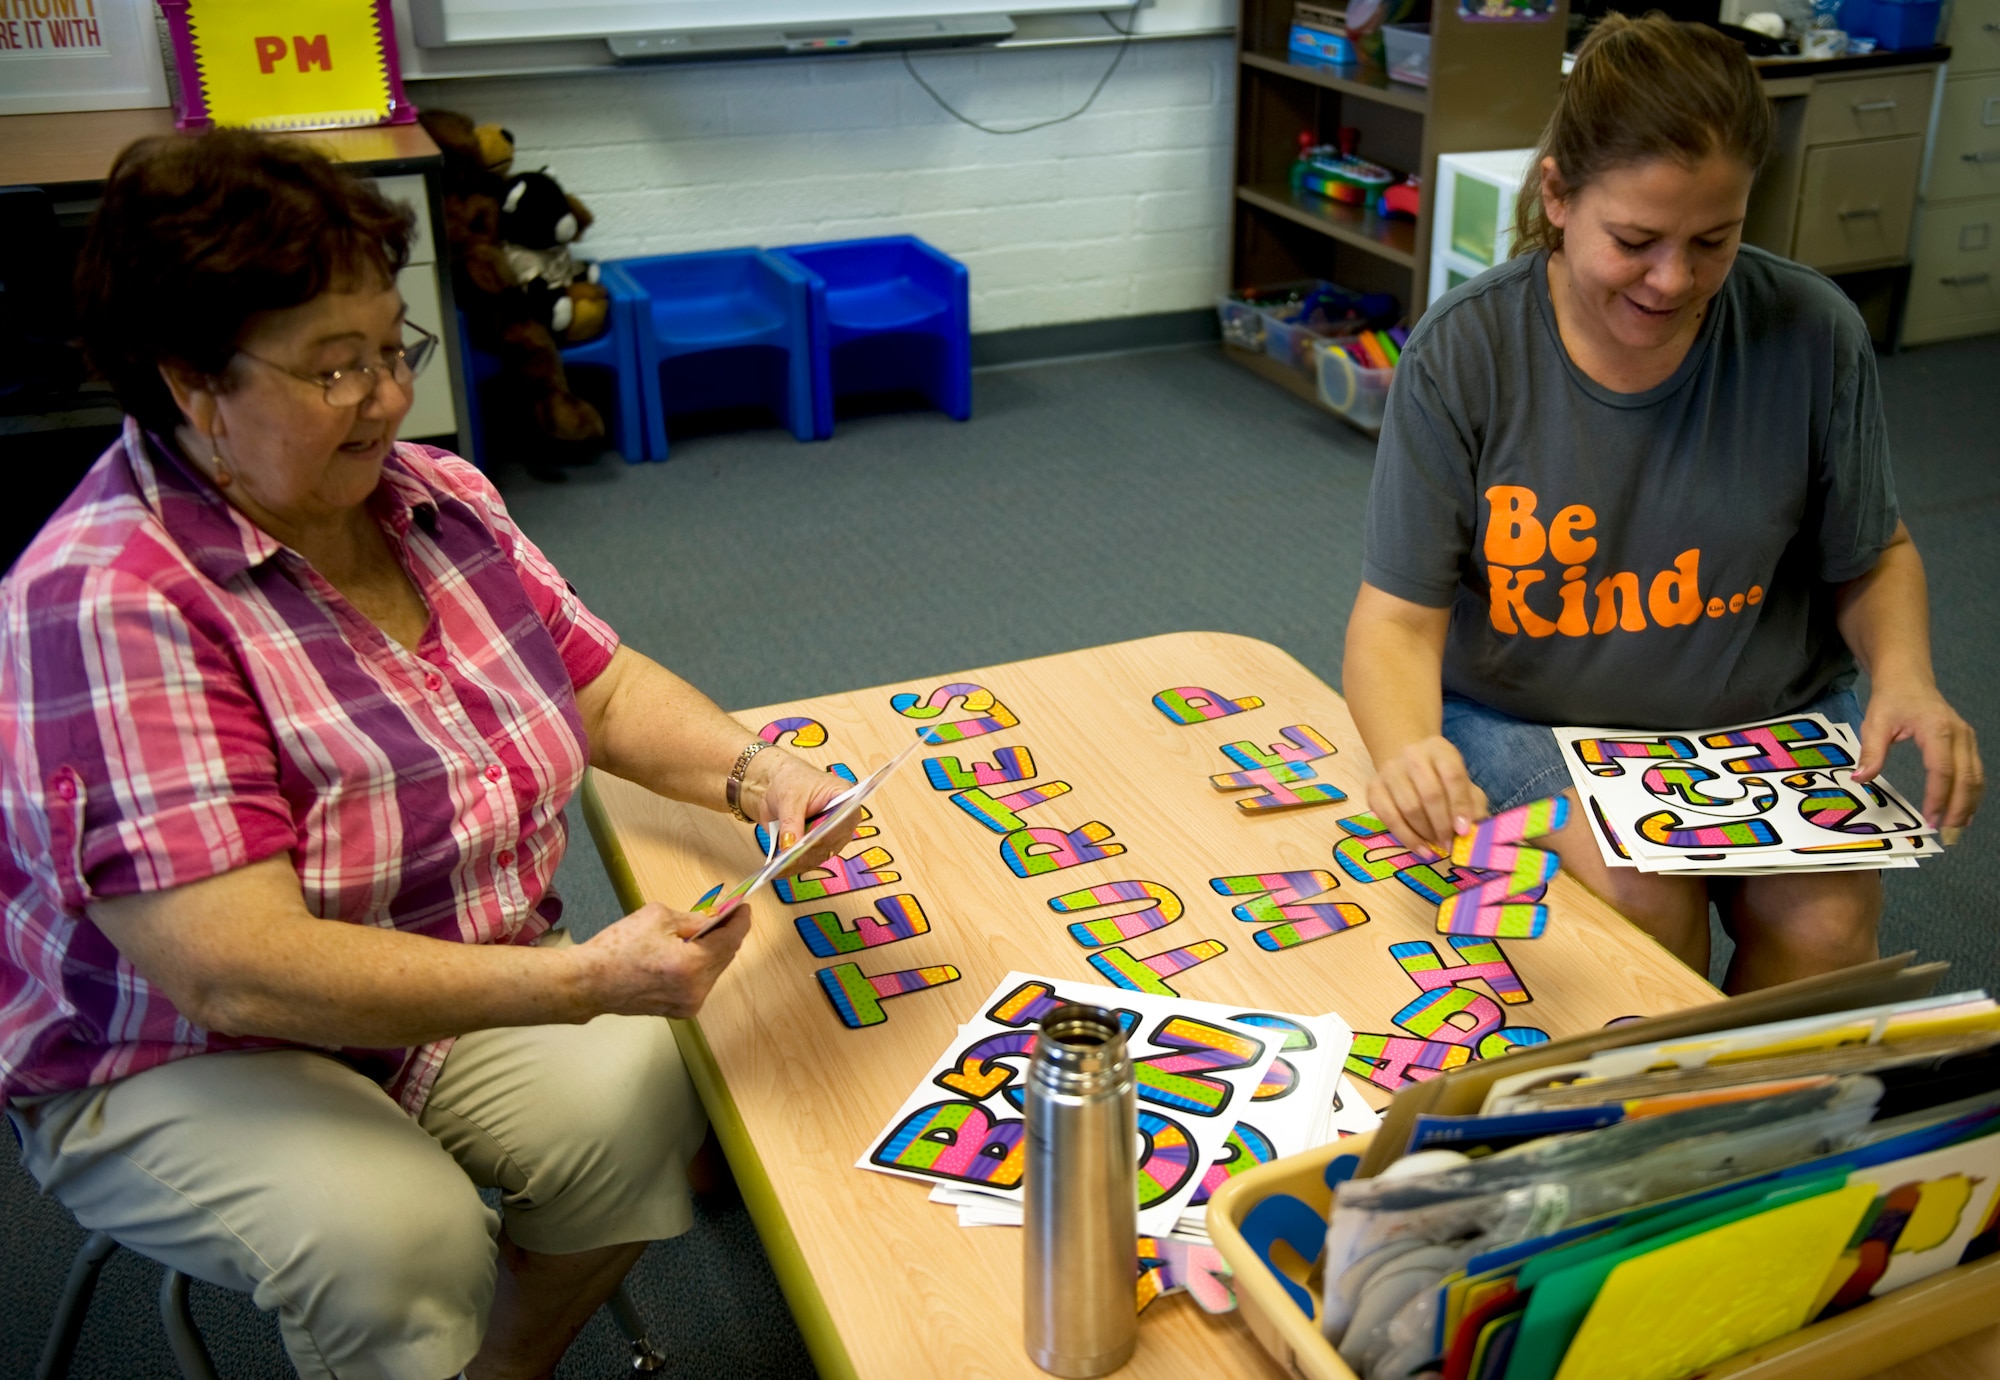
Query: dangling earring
[222, 475]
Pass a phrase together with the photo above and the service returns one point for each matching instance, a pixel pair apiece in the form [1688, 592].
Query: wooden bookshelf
[1492, 86]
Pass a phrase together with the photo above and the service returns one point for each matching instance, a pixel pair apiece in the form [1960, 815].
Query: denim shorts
[1514, 761]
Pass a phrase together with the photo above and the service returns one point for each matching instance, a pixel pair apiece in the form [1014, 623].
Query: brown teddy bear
[502, 317]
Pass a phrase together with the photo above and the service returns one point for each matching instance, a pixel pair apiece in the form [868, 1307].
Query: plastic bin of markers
[1350, 387]
[1290, 1199]
[1267, 319]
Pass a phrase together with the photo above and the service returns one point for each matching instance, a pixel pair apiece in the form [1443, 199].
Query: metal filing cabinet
[1955, 277]
[432, 413]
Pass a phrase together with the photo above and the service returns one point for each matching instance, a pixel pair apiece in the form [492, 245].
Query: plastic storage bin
[1474, 213]
[1290, 1199]
[1407, 52]
[1350, 388]
[1893, 24]
[1266, 319]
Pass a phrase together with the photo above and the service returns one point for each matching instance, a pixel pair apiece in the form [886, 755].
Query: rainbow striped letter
[858, 998]
[1190, 704]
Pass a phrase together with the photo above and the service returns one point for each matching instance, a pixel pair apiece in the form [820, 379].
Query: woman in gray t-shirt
[1638, 477]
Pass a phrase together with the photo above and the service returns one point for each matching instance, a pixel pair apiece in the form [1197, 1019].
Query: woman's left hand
[1954, 776]
[789, 793]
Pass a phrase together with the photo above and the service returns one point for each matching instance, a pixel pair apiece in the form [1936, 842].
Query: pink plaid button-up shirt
[181, 695]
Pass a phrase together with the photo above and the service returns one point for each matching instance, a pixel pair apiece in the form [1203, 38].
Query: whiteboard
[516, 21]
[578, 51]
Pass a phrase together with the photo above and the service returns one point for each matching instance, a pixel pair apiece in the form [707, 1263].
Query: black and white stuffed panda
[538, 223]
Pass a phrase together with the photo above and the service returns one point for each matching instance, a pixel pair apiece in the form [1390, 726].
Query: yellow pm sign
[326, 67]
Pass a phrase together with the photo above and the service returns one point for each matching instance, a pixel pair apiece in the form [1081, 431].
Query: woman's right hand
[1425, 796]
[647, 965]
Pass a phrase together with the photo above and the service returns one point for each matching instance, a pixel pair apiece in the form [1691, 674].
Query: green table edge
[809, 1311]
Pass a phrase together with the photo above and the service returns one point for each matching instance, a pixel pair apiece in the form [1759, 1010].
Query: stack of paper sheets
[1759, 798]
[1650, 1210]
[1221, 1089]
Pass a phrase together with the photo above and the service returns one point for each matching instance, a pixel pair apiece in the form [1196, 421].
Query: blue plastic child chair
[616, 350]
[889, 314]
[723, 329]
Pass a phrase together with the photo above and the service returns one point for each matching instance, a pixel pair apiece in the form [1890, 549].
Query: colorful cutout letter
[1166, 908]
[989, 715]
[828, 936]
[1285, 900]
[1190, 704]
[1028, 1003]
[1666, 828]
[1505, 902]
[1276, 788]
[1306, 744]
[837, 876]
[1002, 814]
[1183, 1080]
[1371, 853]
[858, 998]
[980, 1073]
[1394, 1061]
[1281, 1079]
[1688, 785]
[1031, 852]
[1246, 1148]
[1008, 764]
[1147, 974]
[806, 733]
[1166, 1157]
[1444, 996]
[1784, 746]
[958, 1140]
[1603, 756]
[1830, 802]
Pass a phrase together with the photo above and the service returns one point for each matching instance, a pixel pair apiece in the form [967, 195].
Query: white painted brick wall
[1122, 211]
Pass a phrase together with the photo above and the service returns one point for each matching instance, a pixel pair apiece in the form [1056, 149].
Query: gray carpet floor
[1089, 501]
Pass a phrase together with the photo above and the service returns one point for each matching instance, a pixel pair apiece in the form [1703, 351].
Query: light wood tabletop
[79, 147]
[886, 1284]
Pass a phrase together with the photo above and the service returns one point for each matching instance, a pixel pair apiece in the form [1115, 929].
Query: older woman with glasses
[289, 714]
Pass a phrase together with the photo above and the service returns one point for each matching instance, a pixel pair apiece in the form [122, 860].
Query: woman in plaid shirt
[268, 668]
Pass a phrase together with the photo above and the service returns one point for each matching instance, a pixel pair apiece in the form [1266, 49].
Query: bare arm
[1885, 617]
[240, 954]
[1392, 677]
[648, 725]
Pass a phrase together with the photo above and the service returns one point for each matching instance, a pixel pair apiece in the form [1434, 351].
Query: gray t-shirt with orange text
[1664, 559]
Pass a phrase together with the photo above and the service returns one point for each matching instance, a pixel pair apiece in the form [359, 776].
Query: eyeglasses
[352, 387]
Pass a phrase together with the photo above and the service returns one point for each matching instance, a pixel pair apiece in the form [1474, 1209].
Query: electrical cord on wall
[1129, 32]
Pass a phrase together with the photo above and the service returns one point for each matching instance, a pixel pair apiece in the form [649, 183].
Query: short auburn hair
[1645, 89]
[195, 236]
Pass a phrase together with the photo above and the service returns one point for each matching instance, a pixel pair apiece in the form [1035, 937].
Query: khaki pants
[287, 1175]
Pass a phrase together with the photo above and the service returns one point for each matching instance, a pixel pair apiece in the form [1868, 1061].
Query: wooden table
[71, 153]
[884, 1283]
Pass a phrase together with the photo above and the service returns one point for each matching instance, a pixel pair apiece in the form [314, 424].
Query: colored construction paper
[1672, 1310]
[1563, 1286]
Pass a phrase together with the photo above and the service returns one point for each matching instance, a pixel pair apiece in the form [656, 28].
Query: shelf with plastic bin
[1356, 392]
[1475, 213]
[1913, 1320]
[1368, 83]
[1391, 238]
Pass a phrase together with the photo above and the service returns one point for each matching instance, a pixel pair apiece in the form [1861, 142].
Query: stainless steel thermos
[1080, 1249]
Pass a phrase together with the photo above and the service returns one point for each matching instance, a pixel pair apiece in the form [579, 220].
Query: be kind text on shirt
[1517, 541]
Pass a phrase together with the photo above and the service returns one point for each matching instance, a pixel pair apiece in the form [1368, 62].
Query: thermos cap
[1077, 1041]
